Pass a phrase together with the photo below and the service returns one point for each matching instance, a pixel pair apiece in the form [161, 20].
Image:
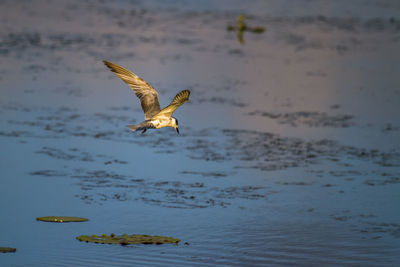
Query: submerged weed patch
[7, 250]
[127, 239]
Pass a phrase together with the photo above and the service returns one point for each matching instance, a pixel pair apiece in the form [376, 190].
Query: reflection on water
[288, 153]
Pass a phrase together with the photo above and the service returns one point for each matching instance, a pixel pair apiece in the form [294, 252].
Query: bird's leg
[144, 130]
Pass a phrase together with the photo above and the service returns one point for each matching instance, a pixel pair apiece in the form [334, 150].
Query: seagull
[155, 117]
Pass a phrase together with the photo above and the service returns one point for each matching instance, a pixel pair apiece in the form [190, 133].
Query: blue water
[289, 152]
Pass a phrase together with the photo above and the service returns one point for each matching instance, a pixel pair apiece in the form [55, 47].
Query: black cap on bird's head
[176, 125]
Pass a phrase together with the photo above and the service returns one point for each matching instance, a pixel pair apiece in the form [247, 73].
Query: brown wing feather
[180, 99]
[144, 91]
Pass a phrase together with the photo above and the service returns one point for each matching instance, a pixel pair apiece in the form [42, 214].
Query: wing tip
[119, 70]
[187, 92]
[108, 64]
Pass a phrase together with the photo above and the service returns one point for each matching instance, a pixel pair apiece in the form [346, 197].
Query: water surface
[289, 151]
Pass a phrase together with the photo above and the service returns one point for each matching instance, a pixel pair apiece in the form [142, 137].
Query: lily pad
[128, 239]
[7, 250]
[61, 219]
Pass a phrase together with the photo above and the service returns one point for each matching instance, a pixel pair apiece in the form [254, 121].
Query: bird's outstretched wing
[144, 91]
[180, 99]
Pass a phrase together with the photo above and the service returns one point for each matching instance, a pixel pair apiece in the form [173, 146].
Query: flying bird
[155, 117]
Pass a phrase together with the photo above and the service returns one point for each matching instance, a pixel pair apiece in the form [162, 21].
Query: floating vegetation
[61, 219]
[7, 250]
[127, 239]
[242, 27]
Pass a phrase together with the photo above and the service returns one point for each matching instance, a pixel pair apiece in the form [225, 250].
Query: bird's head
[175, 124]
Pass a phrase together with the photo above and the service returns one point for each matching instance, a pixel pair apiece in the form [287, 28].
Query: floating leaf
[127, 239]
[61, 219]
[7, 250]
[257, 29]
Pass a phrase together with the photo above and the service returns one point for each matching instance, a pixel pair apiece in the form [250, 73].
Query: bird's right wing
[144, 91]
[180, 99]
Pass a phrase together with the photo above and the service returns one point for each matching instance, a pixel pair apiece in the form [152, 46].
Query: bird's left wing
[180, 99]
[144, 91]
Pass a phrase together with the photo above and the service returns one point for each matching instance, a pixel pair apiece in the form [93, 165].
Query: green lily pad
[128, 239]
[7, 250]
[61, 219]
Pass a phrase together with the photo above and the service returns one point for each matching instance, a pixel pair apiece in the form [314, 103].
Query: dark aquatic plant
[61, 219]
[127, 239]
[7, 250]
[242, 27]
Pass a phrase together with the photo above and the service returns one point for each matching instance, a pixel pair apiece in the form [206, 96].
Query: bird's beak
[177, 130]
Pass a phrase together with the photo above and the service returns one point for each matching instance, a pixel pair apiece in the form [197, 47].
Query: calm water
[289, 152]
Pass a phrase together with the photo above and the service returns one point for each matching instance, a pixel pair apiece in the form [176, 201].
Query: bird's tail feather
[134, 127]
[141, 126]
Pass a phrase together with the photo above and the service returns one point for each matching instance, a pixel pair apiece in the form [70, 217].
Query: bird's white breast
[161, 122]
